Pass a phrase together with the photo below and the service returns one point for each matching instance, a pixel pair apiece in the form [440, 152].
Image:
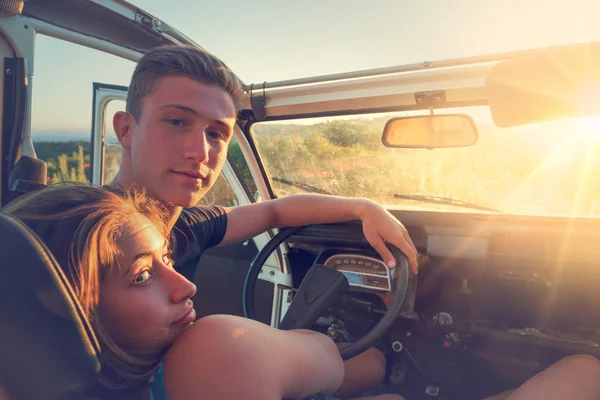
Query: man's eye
[176, 122]
[216, 135]
[143, 277]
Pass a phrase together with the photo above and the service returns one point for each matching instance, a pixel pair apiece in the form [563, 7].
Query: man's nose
[197, 147]
[180, 289]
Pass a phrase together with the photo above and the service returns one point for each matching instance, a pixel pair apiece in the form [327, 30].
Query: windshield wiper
[303, 186]
[444, 200]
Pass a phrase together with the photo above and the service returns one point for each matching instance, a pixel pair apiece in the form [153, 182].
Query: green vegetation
[70, 161]
[66, 161]
[112, 160]
[529, 170]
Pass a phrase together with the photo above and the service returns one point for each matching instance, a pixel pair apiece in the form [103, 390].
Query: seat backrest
[47, 348]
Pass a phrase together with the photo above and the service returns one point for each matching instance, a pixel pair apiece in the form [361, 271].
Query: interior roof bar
[425, 65]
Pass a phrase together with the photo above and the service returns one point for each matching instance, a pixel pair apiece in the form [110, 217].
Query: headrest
[47, 348]
[27, 175]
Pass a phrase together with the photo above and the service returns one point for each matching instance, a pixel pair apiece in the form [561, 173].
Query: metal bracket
[148, 21]
[258, 103]
[430, 100]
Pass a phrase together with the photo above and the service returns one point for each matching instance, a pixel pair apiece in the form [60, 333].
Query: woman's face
[144, 303]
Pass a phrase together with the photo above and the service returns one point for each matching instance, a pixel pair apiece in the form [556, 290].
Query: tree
[349, 133]
[235, 153]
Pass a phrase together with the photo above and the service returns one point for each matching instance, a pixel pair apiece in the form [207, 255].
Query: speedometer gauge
[362, 272]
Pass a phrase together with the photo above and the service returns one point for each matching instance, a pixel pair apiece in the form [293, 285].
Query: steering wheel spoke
[319, 289]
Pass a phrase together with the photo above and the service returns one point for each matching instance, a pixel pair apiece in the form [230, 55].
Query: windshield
[539, 169]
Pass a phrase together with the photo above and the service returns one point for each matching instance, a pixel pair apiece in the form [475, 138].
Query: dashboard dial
[363, 273]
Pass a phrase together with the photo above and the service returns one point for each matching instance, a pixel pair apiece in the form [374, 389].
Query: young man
[180, 115]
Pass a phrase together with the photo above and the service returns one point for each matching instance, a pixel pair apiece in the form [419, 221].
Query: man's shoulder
[203, 225]
[201, 213]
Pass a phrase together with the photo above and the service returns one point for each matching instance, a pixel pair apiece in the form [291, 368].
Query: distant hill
[52, 136]
[59, 136]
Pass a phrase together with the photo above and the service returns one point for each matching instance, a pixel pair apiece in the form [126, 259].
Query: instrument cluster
[364, 273]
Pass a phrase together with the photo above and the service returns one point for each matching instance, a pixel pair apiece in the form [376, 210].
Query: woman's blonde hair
[81, 224]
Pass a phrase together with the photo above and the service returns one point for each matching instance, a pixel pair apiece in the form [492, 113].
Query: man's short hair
[175, 60]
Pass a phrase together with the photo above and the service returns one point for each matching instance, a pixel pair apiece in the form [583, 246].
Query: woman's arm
[227, 357]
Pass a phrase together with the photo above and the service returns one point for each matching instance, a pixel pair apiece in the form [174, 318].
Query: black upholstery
[47, 350]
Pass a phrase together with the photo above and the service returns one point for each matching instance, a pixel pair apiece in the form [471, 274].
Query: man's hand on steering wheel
[381, 227]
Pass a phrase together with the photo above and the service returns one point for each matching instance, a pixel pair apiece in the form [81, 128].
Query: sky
[273, 40]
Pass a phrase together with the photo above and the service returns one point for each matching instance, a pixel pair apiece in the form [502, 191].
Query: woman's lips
[188, 317]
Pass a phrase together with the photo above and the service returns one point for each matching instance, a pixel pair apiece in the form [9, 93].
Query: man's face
[179, 145]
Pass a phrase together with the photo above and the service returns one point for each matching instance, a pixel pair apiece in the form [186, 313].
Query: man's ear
[123, 126]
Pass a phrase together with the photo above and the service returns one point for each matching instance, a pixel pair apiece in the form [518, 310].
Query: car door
[221, 273]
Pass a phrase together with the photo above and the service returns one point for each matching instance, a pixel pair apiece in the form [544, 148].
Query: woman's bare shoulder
[214, 352]
[214, 335]
[228, 330]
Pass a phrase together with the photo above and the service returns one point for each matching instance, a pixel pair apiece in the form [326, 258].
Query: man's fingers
[401, 242]
[410, 253]
[385, 253]
[404, 232]
[408, 238]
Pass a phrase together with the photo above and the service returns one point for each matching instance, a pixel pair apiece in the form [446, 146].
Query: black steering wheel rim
[401, 285]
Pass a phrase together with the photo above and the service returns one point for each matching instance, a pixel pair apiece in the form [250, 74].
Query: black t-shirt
[197, 229]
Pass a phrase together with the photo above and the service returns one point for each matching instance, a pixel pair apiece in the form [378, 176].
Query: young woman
[115, 253]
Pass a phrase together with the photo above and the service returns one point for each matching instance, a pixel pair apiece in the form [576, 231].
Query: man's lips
[188, 317]
[191, 174]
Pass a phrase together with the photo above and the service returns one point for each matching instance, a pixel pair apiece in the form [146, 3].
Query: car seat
[47, 348]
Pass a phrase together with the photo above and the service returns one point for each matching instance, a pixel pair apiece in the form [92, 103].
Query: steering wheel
[320, 288]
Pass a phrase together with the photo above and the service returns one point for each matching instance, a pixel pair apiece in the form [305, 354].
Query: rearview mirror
[430, 131]
[548, 84]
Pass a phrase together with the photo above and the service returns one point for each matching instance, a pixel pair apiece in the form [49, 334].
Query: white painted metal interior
[460, 84]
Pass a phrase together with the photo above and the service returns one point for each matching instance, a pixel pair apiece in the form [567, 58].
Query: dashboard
[517, 276]
[498, 296]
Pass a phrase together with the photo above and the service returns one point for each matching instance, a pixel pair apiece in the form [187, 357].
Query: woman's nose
[180, 289]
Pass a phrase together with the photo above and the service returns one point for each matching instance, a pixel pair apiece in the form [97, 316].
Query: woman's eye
[142, 277]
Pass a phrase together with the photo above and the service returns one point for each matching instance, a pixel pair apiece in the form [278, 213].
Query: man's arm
[227, 357]
[379, 226]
